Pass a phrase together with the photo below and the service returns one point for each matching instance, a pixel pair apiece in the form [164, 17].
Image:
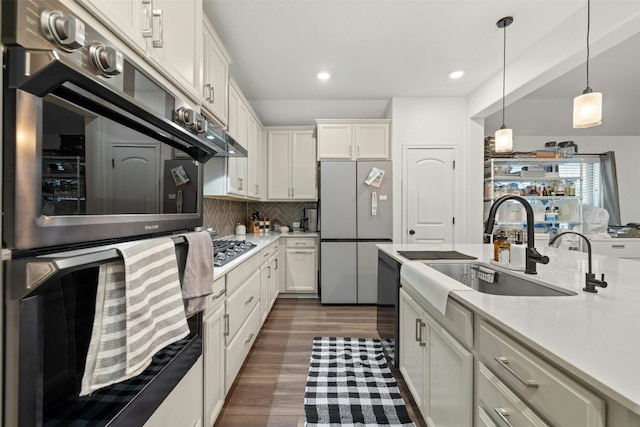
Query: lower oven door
[48, 330]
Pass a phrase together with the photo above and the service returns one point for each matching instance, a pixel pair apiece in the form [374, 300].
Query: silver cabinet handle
[504, 362]
[213, 94]
[222, 292]
[293, 192]
[276, 264]
[503, 414]
[147, 32]
[300, 243]
[158, 14]
[207, 88]
[226, 325]
[617, 246]
[249, 300]
[249, 339]
[358, 151]
[350, 151]
[422, 343]
[269, 274]
[418, 330]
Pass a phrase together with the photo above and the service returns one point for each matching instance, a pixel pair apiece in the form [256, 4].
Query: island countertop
[595, 337]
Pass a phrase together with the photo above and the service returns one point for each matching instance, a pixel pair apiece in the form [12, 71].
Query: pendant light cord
[504, 68]
[588, 30]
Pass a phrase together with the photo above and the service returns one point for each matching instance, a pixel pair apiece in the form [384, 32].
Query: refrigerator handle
[374, 203]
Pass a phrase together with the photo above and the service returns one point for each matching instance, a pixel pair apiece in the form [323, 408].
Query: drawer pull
[505, 364]
[503, 414]
[418, 330]
[222, 292]
[422, 343]
[617, 246]
[249, 300]
[249, 339]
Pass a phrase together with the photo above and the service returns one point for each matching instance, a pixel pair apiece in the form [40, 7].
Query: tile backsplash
[222, 215]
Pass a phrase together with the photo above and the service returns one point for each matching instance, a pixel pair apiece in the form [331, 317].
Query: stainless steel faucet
[590, 280]
[532, 256]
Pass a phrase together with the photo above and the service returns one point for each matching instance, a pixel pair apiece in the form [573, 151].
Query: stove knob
[184, 116]
[67, 31]
[230, 252]
[107, 59]
[199, 125]
[221, 256]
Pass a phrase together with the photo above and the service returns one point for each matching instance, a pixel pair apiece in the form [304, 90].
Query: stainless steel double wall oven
[95, 151]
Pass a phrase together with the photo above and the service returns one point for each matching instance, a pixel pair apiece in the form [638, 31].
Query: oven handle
[47, 74]
[25, 276]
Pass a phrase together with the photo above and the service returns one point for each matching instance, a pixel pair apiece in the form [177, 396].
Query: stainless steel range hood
[228, 146]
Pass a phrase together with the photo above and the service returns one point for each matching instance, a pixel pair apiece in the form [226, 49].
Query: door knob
[412, 232]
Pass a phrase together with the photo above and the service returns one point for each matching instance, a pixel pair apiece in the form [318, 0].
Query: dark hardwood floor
[269, 390]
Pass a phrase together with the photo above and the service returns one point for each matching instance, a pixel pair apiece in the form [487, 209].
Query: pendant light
[504, 136]
[587, 108]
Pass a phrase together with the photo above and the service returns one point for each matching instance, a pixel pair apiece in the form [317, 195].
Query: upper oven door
[84, 162]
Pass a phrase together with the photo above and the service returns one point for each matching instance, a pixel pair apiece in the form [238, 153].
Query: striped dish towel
[139, 310]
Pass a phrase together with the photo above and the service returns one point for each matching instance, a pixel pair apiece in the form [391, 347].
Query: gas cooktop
[225, 251]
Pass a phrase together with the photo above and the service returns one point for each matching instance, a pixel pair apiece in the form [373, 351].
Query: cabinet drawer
[241, 302]
[617, 248]
[501, 405]
[239, 274]
[267, 252]
[302, 242]
[239, 347]
[484, 420]
[217, 296]
[554, 394]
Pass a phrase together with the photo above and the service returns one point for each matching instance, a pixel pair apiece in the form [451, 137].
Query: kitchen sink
[489, 281]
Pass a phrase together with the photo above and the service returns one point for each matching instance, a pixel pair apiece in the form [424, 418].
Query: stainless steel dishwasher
[388, 306]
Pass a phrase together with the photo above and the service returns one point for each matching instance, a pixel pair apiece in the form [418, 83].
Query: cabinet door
[412, 342]
[278, 163]
[335, 141]
[213, 352]
[216, 75]
[371, 140]
[303, 166]
[449, 376]
[234, 105]
[176, 43]
[367, 273]
[274, 278]
[253, 158]
[127, 18]
[301, 270]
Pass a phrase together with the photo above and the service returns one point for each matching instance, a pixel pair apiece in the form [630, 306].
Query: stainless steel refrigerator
[356, 213]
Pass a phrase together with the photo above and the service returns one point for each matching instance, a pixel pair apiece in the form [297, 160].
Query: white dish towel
[434, 286]
[139, 310]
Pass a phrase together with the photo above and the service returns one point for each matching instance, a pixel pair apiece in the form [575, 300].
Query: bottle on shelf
[501, 248]
[572, 189]
[544, 191]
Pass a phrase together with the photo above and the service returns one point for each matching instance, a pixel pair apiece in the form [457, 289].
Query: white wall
[439, 122]
[627, 152]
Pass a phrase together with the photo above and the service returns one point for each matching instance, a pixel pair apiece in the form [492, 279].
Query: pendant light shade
[504, 136]
[587, 108]
[504, 140]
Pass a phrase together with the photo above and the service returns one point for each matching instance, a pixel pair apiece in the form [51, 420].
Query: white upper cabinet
[167, 32]
[131, 17]
[237, 177]
[291, 164]
[353, 140]
[215, 74]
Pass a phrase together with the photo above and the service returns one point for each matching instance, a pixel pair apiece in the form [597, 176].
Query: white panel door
[136, 168]
[428, 201]
[303, 166]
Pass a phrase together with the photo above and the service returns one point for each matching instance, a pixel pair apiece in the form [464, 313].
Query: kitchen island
[595, 338]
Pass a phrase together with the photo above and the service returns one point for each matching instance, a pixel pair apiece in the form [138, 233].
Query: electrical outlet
[296, 224]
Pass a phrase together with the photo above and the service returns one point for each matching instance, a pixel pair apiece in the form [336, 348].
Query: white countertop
[261, 240]
[596, 337]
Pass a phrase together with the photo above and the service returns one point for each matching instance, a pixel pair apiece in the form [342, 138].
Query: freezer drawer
[338, 273]
[367, 272]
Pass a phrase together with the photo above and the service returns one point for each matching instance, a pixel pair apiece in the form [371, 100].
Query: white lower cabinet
[301, 265]
[437, 368]
[213, 351]
[182, 407]
[551, 393]
[268, 278]
[238, 348]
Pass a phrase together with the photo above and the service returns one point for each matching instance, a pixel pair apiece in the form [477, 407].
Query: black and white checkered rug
[350, 384]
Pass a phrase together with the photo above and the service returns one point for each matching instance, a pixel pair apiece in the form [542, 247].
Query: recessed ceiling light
[456, 74]
[324, 75]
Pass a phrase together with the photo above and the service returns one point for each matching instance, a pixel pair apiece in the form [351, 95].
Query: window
[589, 189]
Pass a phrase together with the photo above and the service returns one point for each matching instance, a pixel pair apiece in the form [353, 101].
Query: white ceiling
[377, 49]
